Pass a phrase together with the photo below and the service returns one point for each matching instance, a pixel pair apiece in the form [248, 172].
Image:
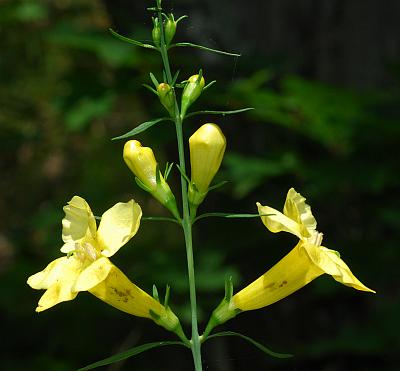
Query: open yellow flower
[307, 261]
[88, 248]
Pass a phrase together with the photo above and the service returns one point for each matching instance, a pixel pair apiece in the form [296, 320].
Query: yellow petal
[59, 270]
[296, 209]
[290, 274]
[278, 222]
[58, 278]
[117, 226]
[79, 222]
[330, 262]
[93, 274]
[118, 291]
[55, 294]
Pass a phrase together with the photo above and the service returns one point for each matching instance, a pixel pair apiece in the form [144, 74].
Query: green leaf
[130, 353]
[160, 219]
[253, 342]
[191, 45]
[131, 41]
[223, 113]
[229, 215]
[142, 127]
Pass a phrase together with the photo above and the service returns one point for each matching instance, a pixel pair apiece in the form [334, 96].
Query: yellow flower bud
[207, 147]
[167, 98]
[191, 92]
[142, 163]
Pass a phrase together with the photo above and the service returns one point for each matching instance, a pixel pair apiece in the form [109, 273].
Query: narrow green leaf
[209, 85]
[167, 295]
[223, 113]
[160, 219]
[229, 215]
[253, 342]
[191, 45]
[183, 174]
[131, 41]
[130, 353]
[168, 169]
[142, 127]
[218, 185]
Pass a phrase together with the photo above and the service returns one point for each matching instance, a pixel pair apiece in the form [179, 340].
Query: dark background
[323, 77]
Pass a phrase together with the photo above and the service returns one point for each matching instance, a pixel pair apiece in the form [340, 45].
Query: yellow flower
[143, 164]
[307, 261]
[88, 248]
[207, 148]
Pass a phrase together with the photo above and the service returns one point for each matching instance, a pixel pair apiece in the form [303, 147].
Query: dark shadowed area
[323, 77]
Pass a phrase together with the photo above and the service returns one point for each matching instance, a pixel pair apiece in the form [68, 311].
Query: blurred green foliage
[67, 87]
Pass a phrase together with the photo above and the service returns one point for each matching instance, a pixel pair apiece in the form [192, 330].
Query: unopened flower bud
[207, 147]
[191, 91]
[170, 29]
[142, 163]
[167, 98]
[156, 32]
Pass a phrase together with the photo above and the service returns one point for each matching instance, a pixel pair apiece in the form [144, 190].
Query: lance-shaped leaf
[130, 353]
[191, 45]
[253, 342]
[223, 113]
[142, 127]
[131, 41]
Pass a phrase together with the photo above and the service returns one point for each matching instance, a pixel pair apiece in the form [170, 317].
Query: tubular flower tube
[307, 261]
[88, 249]
[142, 163]
[207, 148]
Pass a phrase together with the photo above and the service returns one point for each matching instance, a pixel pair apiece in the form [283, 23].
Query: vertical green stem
[186, 221]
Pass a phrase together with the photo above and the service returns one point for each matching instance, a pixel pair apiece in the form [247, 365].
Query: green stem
[186, 221]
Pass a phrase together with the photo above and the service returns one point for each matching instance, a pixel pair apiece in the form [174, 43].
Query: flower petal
[79, 222]
[330, 262]
[118, 291]
[117, 226]
[296, 209]
[278, 222]
[58, 278]
[63, 269]
[94, 274]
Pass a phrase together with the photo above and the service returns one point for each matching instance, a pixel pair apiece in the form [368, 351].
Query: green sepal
[130, 353]
[158, 175]
[168, 168]
[142, 185]
[155, 293]
[223, 113]
[131, 41]
[150, 88]
[154, 80]
[228, 288]
[142, 127]
[191, 45]
[253, 342]
[167, 295]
